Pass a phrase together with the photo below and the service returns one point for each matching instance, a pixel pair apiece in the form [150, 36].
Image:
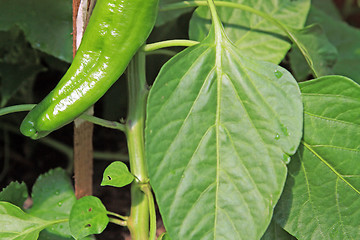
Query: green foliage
[88, 216]
[53, 198]
[167, 16]
[275, 232]
[15, 193]
[344, 37]
[117, 174]
[18, 63]
[321, 196]
[222, 122]
[17, 225]
[253, 35]
[227, 138]
[46, 24]
[320, 52]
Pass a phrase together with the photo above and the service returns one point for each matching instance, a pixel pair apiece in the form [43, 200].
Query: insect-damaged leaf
[88, 216]
[117, 174]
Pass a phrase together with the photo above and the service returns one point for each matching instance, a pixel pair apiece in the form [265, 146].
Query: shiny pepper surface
[116, 30]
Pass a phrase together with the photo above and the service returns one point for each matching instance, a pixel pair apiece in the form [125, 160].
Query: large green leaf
[321, 199]
[17, 225]
[47, 24]
[53, 197]
[220, 127]
[252, 34]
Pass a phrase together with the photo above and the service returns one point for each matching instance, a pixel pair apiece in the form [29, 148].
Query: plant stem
[103, 122]
[138, 222]
[125, 218]
[118, 222]
[169, 43]
[16, 108]
[147, 190]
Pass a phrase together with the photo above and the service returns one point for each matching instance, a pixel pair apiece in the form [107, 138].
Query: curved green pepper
[116, 30]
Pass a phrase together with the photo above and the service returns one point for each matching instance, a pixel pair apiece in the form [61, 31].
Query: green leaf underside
[88, 216]
[219, 127]
[17, 225]
[253, 35]
[321, 199]
[117, 174]
[53, 197]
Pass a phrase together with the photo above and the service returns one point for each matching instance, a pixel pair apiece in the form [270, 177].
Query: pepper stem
[138, 221]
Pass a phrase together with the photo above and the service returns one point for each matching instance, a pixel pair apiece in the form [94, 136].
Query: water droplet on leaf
[60, 204]
[284, 130]
[286, 158]
[277, 136]
[278, 74]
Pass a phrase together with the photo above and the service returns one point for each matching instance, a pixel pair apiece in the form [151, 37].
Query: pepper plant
[231, 144]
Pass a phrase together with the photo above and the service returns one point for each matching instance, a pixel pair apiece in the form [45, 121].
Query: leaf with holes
[321, 199]
[252, 34]
[117, 174]
[219, 130]
[88, 216]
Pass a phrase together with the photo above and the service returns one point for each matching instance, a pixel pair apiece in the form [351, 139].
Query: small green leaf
[53, 197]
[88, 216]
[15, 193]
[17, 225]
[252, 34]
[321, 198]
[117, 174]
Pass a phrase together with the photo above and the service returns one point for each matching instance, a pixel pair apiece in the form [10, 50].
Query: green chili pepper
[116, 30]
